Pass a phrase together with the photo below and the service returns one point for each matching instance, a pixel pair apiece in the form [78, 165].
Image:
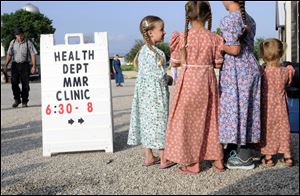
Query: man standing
[21, 51]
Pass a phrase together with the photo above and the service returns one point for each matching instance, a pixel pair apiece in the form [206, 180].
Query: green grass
[127, 68]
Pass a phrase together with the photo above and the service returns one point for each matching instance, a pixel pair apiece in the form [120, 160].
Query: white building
[287, 25]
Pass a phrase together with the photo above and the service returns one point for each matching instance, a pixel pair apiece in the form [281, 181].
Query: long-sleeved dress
[150, 106]
[192, 133]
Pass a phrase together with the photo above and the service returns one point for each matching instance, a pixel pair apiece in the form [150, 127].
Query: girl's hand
[218, 66]
[291, 72]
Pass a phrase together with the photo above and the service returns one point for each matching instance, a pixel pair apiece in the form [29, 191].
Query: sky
[121, 18]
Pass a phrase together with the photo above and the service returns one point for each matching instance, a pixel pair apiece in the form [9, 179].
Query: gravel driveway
[25, 171]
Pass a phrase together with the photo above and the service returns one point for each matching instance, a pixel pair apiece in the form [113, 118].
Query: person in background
[21, 51]
[118, 71]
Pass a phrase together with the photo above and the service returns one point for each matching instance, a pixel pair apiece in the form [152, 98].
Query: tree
[134, 50]
[165, 47]
[139, 44]
[218, 31]
[33, 25]
[257, 43]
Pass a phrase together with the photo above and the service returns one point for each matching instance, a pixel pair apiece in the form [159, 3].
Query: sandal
[167, 165]
[155, 161]
[185, 170]
[269, 162]
[287, 161]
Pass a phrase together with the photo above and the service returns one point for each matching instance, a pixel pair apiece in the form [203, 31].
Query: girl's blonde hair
[196, 10]
[271, 51]
[147, 24]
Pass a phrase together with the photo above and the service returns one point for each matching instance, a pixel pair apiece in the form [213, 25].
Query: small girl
[275, 119]
[192, 133]
[151, 98]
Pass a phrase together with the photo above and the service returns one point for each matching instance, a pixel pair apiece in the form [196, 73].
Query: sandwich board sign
[76, 95]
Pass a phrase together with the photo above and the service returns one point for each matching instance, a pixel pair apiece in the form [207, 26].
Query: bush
[127, 67]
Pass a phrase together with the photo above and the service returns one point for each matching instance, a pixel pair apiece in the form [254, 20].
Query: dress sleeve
[175, 44]
[231, 31]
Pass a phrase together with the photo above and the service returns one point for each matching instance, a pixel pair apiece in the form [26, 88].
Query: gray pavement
[25, 171]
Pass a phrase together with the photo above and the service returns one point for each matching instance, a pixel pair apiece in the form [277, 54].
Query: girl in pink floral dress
[192, 133]
[276, 130]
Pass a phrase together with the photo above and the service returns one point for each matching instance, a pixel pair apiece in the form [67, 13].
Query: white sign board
[76, 95]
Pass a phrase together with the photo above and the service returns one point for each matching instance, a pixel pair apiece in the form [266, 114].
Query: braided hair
[195, 10]
[147, 24]
[244, 18]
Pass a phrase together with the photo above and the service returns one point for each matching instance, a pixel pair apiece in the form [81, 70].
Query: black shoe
[24, 105]
[16, 103]
[235, 162]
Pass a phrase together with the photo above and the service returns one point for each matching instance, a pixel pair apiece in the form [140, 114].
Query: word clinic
[74, 68]
[73, 95]
[74, 55]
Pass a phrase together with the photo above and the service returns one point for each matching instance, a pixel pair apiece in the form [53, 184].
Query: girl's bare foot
[288, 161]
[218, 165]
[164, 163]
[269, 161]
[150, 159]
[191, 169]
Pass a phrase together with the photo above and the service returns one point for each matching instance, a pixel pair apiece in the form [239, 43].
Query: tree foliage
[218, 31]
[33, 25]
[139, 44]
[257, 43]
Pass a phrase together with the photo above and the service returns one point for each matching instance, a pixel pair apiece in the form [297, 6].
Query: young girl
[151, 98]
[240, 82]
[275, 119]
[192, 133]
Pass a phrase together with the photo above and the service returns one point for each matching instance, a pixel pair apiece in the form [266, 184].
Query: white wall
[288, 12]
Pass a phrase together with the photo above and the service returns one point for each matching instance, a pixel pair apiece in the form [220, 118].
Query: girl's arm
[291, 72]
[232, 50]
[231, 31]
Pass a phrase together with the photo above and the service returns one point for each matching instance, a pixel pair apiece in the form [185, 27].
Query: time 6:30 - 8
[67, 108]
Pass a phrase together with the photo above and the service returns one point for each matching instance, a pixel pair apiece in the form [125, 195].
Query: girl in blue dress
[240, 86]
